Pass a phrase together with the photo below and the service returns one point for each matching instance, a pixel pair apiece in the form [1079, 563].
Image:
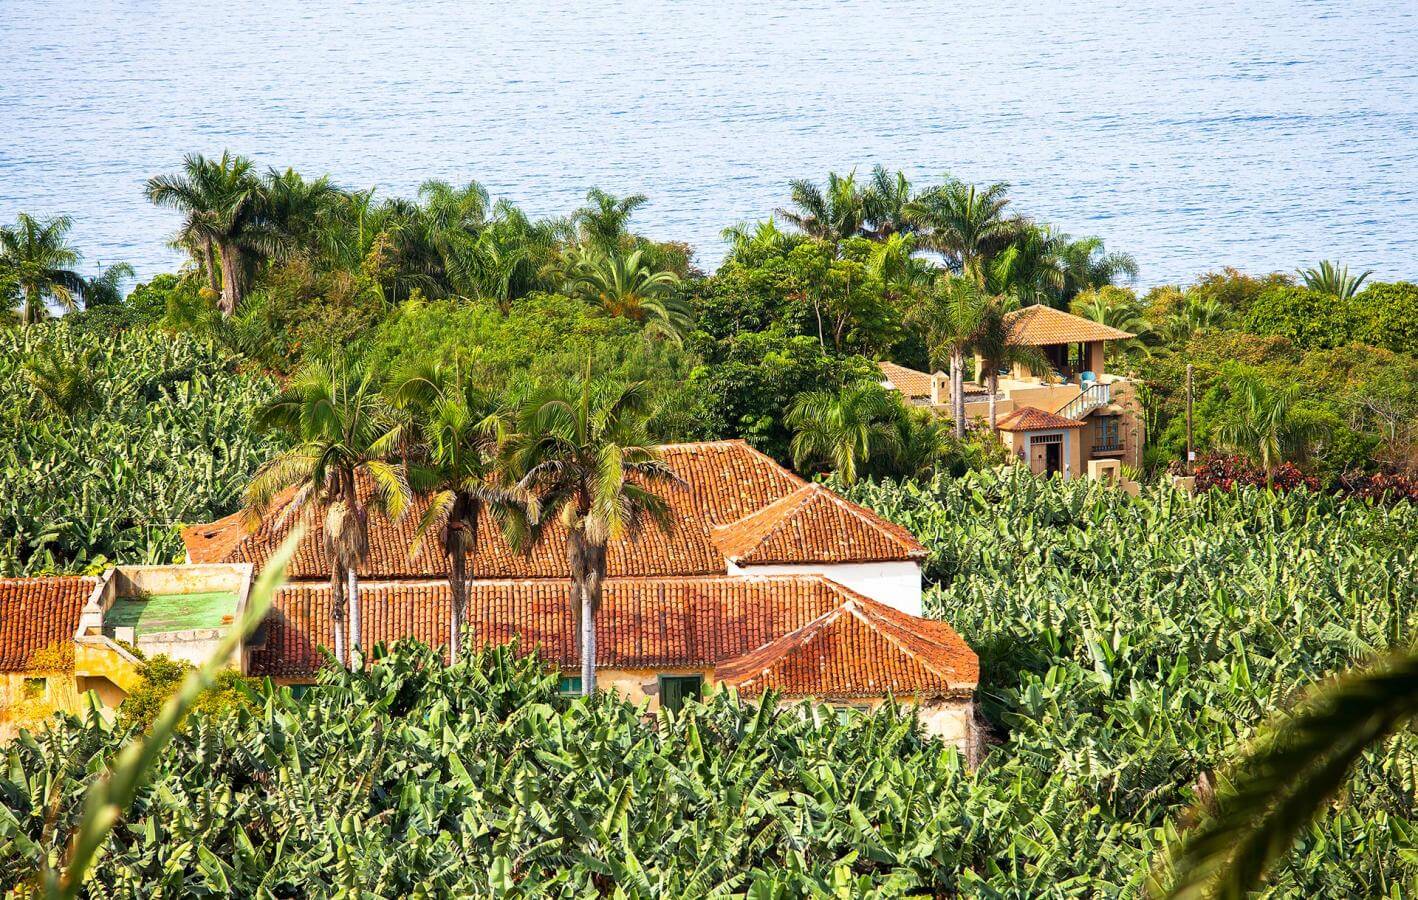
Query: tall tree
[626, 286]
[832, 215]
[950, 315]
[301, 212]
[105, 288]
[343, 434]
[846, 429]
[40, 262]
[224, 207]
[1295, 765]
[885, 202]
[1264, 426]
[965, 224]
[1086, 265]
[581, 449]
[603, 223]
[1330, 278]
[457, 428]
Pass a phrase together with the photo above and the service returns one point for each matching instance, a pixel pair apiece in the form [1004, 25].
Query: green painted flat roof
[160, 613]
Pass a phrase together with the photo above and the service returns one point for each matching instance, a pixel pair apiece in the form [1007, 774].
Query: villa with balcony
[1076, 419]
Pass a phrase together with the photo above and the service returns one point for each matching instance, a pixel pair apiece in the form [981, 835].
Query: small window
[675, 689]
[35, 688]
[298, 691]
[569, 686]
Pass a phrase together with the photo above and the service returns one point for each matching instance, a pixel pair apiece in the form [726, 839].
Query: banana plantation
[113, 442]
[1127, 645]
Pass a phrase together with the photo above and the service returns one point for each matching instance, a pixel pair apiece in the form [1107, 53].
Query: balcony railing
[1108, 446]
[1095, 395]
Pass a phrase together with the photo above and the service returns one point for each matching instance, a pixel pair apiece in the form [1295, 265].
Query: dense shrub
[1391, 316]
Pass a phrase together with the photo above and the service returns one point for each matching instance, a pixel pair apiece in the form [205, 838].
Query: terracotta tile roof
[642, 623]
[860, 648]
[726, 481]
[38, 618]
[814, 522]
[909, 382]
[1029, 418]
[1040, 325]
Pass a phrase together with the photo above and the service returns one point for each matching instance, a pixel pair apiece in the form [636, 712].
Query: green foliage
[1390, 314]
[748, 382]
[161, 439]
[1310, 319]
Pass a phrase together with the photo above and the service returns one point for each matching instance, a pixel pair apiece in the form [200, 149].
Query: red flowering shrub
[1219, 471]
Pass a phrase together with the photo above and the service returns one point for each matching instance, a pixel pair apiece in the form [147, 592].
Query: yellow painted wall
[21, 708]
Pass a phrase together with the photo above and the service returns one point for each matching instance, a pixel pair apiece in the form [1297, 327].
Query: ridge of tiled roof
[38, 618]
[908, 382]
[1031, 418]
[725, 481]
[861, 648]
[1041, 325]
[816, 525]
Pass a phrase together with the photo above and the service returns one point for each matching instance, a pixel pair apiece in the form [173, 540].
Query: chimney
[939, 388]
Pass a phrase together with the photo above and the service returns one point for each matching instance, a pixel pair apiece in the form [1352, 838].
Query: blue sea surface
[1263, 135]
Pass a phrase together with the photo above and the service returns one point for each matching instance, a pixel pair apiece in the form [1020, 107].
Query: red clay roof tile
[1029, 418]
[814, 524]
[1041, 326]
[38, 618]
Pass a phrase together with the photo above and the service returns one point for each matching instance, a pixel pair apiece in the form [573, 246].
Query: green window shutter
[569, 685]
[675, 689]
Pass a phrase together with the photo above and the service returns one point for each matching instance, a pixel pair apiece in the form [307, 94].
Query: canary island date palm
[581, 450]
[40, 261]
[224, 209]
[1263, 425]
[846, 429]
[1333, 279]
[627, 286]
[455, 430]
[1291, 770]
[949, 315]
[343, 432]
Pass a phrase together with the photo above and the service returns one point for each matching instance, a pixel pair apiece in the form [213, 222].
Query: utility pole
[1191, 454]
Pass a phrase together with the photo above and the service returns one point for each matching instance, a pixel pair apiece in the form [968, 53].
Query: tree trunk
[353, 577]
[232, 288]
[957, 390]
[458, 590]
[337, 608]
[992, 386]
[588, 642]
[209, 255]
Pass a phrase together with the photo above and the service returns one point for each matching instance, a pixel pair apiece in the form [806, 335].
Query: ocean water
[1263, 135]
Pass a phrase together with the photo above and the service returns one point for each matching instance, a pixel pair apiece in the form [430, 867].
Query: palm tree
[1030, 268]
[884, 204]
[1086, 265]
[1331, 279]
[224, 207]
[1264, 427]
[846, 429]
[1196, 314]
[950, 316]
[457, 430]
[343, 433]
[40, 262]
[831, 216]
[750, 247]
[1116, 308]
[300, 211]
[965, 224]
[105, 288]
[893, 259]
[506, 259]
[581, 451]
[624, 285]
[1298, 762]
[603, 221]
[995, 345]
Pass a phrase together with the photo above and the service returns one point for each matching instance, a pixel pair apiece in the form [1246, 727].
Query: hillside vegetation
[1127, 646]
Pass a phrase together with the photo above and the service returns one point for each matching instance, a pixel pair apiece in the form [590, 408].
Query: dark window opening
[675, 689]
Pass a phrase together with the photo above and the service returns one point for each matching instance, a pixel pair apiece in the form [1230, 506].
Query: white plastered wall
[897, 584]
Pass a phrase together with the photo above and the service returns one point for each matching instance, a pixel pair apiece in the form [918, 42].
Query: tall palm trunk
[232, 287]
[957, 390]
[209, 256]
[992, 386]
[588, 571]
[460, 542]
[353, 575]
[337, 607]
